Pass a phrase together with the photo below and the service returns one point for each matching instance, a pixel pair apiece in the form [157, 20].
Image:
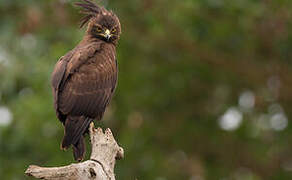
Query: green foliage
[204, 87]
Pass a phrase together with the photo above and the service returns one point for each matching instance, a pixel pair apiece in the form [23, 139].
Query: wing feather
[58, 77]
[88, 82]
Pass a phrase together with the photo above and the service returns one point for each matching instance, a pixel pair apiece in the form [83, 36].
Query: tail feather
[79, 149]
[75, 127]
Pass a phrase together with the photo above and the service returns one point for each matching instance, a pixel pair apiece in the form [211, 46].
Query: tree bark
[105, 152]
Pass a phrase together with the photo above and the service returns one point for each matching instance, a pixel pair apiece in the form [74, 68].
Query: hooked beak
[107, 34]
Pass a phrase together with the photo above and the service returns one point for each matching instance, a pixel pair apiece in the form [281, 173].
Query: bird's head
[102, 24]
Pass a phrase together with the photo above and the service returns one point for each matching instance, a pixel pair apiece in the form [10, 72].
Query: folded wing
[83, 82]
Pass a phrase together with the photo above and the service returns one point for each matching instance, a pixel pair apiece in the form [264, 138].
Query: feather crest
[90, 9]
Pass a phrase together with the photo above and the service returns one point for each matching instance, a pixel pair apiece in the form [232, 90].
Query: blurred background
[204, 91]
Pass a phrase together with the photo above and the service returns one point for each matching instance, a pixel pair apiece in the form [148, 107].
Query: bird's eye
[98, 29]
[114, 30]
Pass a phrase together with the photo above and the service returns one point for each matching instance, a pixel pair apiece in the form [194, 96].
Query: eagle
[84, 80]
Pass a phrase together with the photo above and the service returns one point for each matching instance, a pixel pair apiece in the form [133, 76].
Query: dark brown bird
[84, 79]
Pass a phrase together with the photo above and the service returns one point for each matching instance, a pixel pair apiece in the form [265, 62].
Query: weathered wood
[105, 152]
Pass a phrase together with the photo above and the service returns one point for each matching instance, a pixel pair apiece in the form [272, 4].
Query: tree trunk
[105, 152]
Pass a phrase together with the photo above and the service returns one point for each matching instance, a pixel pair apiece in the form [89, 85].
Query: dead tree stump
[105, 152]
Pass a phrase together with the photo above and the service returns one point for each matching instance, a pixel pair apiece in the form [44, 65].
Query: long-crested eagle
[85, 78]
